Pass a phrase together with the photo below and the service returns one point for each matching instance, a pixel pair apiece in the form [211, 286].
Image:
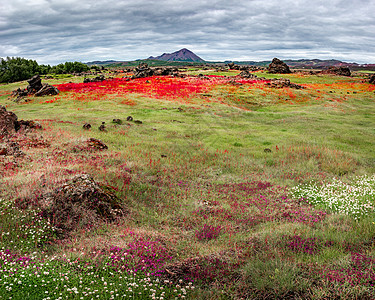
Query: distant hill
[184, 55]
[101, 62]
[311, 64]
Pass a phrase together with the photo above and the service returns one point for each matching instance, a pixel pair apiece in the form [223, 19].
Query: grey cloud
[52, 31]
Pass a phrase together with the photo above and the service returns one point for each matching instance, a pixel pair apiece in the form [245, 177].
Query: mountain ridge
[184, 55]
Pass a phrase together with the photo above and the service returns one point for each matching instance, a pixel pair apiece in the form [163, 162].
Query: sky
[56, 31]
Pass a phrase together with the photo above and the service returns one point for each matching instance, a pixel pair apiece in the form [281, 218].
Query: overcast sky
[55, 31]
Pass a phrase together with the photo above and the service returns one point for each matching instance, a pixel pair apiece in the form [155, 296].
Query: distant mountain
[180, 55]
[186, 57]
[101, 62]
[321, 64]
[311, 64]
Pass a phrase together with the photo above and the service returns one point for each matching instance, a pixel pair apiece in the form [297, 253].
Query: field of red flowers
[182, 90]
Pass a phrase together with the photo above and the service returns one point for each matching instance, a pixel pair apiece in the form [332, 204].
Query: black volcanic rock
[35, 88]
[278, 67]
[180, 55]
[340, 71]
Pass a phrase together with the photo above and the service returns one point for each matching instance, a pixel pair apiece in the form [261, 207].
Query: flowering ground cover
[230, 189]
[355, 198]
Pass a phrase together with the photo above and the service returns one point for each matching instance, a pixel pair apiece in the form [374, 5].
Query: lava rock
[96, 143]
[96, 79]
[283, 82]
[86, 126]
[339, 71]
[81, 202]
[8, 121]
[372, 79]
[278, 67]
[102, 127]
[47, 90]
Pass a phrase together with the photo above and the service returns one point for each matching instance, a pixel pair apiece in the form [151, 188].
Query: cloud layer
[54, 31]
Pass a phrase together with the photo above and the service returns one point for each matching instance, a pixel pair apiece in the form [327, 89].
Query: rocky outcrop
[339, 71]
[142, 71]
[96, 79]
[81, 202]
[372, 79]
[8, 121]
[166, 71]
[246, 74]
[35, 84]
[278, 67]
[282, 83]
[47, 90]
[35, 88]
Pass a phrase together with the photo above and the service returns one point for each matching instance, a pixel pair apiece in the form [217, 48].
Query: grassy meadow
[232, 189]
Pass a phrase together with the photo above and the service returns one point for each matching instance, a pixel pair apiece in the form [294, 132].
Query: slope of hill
[180, 55]
[185, 56]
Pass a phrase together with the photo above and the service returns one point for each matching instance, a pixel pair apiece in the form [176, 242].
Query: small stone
[86, 126]
[102, 127]
[97, 144]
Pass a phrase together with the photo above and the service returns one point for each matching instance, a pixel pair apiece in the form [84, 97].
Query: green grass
[200, 161]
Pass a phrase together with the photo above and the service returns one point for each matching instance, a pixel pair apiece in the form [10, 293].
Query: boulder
[96, 79]
[372, 79]
[47, 90]
[340, 71]
[36, 88]
[35, 84]
[8, 121]
[86, 126]
[282, 83]
[96, 144]
[142, 71]
[166, 71]
[278, 67]
[246, 74]
[81, 202]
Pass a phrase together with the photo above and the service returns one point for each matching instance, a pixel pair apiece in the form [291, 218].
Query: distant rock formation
[143, 70]
[246, 74]
[180, 55]
[340, 71]
[283, 82]
[96, 79]
[278, 67]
